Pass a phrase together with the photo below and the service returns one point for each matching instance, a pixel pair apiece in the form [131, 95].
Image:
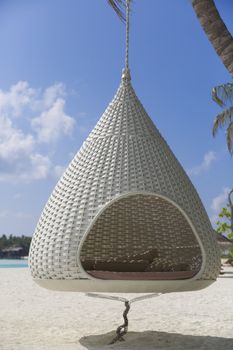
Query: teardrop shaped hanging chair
[124, 217]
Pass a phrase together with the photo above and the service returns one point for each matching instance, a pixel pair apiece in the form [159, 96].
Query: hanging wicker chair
[124, 217]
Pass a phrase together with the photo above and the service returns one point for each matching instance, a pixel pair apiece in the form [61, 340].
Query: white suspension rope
[127, 34]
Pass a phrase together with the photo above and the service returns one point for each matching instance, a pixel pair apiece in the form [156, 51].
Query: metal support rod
[123, 329]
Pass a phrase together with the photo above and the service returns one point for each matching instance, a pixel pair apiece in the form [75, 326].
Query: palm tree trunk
[216, 30]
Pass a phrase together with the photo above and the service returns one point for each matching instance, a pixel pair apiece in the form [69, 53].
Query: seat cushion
[111, 275]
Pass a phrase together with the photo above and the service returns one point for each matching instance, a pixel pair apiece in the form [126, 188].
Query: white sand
[32, 318]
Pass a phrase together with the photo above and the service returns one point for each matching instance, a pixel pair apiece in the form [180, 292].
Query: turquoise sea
[13, 263]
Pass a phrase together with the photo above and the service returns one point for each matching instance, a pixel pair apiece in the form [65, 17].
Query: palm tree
[223, 96]
[117, 7]
[216, 30]
[222, 41]
[231, 223]
[211, 22]
[231, 209]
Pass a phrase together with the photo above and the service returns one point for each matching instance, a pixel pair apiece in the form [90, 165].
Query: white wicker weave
[124, 155]
[123, 193]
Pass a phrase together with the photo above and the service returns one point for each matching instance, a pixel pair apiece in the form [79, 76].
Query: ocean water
[13, 263]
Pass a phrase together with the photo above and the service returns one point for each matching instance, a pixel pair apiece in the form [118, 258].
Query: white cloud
[22, 216]
[16, 99]
[18, 215]
[59, 170]
[40, 166]
[209, 158]
[71, 155]
[13, 142]
[18, 195]
[218, 202]
[3, 214]
[35, 167]
[52, 93]
[53, 123]
[29, 117]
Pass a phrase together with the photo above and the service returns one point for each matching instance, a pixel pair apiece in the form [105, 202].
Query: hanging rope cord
[127, 35]
[123, 329]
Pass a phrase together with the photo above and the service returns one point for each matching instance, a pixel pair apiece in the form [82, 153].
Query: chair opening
[141, 237]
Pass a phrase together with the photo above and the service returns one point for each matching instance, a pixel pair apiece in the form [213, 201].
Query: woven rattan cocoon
[124, 155]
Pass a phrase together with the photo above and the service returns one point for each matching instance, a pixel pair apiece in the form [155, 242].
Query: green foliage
[15, 241]
[223, 96]
[224, 225]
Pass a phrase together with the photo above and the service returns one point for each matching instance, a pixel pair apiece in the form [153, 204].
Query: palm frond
[230, 138]
[117, 6]
[222, 119]
[223, 94]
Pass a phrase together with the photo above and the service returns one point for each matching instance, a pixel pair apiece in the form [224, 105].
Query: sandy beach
[33, 318]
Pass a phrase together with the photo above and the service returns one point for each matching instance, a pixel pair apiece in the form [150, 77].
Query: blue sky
[60, 66]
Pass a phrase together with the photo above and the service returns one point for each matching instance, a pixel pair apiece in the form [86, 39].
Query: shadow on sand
[151, 340]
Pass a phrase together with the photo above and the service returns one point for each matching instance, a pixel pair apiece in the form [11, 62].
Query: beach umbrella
[124, 217]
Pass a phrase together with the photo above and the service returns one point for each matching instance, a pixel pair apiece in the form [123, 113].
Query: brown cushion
[160, 265]
[88, 264]
[181, 267]
[148, 255]
[132, 266]
[146, 276]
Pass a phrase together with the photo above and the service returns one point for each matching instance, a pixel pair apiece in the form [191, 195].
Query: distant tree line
[9, 246]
